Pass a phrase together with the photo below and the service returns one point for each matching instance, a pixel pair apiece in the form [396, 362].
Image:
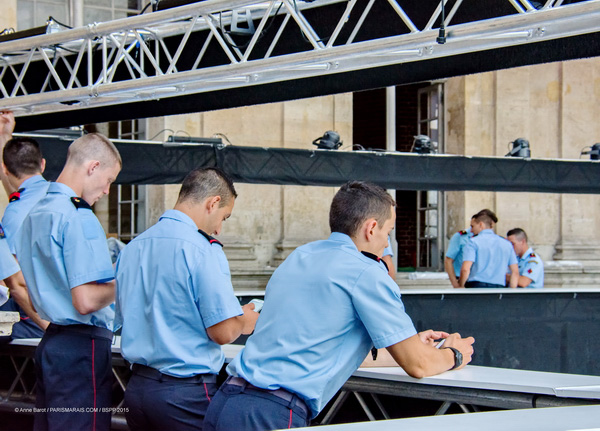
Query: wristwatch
[457, 357]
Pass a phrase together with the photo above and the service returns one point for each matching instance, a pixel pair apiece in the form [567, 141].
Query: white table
[581, 418]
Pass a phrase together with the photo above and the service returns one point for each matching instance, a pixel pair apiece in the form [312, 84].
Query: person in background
[531, 267]
[487, 256]
[454, 254]
[388, 259]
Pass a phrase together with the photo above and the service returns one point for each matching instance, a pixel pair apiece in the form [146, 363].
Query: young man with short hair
[176, 304]
[325, 307]
[487, 256]
[531, 266]
[70, 276]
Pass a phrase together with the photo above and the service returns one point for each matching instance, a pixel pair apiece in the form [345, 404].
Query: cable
[51, 18]
[441, 39]
[221, 135]
[163, 130]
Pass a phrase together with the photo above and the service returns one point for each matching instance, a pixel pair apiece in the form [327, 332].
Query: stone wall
[555, 107]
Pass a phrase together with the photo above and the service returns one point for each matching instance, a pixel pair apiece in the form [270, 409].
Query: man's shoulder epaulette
[2, 234]
[80, 203]
[532, 255]
[15, 196]
[463, 232]
[209, 238]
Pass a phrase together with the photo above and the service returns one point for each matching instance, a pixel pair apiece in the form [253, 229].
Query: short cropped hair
[486, 216]
[204, 183]
[22, 156]
[357, 201]
[518, 233]
[93, 146]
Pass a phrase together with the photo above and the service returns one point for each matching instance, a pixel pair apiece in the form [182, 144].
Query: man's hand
[463, 345]
[7, 126]
[428, 337]
[249, 318]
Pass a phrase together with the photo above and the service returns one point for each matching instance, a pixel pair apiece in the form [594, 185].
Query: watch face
[457, 358]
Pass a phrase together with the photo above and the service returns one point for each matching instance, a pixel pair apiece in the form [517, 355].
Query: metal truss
[224, 44]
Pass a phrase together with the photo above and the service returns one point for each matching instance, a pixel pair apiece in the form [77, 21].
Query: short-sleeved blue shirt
[491, 255]
[388, 250]
[62, 247]
[455, 248]
[8, 264]
[531, 266]
[31, 191]
[325, 307]
[172, 284]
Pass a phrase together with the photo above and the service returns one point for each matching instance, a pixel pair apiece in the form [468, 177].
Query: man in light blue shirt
[454, 255]
[325, 306]
[487, 256]
[531, 267]
[176, 305]
[21, 172]
[65, 260]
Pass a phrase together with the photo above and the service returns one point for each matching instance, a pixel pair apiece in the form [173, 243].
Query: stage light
[594, 152]
[520, 148]
[422, 144]
[329, 141]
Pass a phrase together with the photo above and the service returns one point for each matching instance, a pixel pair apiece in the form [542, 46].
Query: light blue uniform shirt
[325, 307]
[388, 250]
[455, 248]
[491, 255]
[62, 247]
[172, 284]
[531, 266]
[8, 264]
[33, 189]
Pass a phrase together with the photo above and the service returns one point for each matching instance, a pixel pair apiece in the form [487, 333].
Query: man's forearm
[91, 297]
[449, 267]
[18, 290]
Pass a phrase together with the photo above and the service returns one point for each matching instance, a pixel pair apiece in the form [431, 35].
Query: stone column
[579, 221]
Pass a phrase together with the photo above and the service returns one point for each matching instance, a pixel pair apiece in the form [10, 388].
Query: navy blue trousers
[74, 379]
[154, 404]
[481, 284]
[237, 408]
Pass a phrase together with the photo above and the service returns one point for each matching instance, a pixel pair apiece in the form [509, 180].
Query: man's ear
[5, 170]
[92, 166]
[213, 203]
[43, 166]
[369, 228]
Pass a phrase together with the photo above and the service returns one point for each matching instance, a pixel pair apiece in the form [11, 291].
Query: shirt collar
[526, 254]
[486, 232]
[61, 188]
[29, 182]
[179, 216]
[342, 237]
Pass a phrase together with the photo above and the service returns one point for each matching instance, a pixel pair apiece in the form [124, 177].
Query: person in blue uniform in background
[487, 256]
[388, 258]
[325, 307]
[176, 304]
[531, 267]
[22, 179]
[454, 254]
[65, 260]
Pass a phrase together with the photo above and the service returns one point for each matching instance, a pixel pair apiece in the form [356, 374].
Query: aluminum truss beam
[142, 58]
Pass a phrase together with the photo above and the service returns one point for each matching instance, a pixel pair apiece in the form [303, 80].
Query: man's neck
[18, 182]
[70, 179]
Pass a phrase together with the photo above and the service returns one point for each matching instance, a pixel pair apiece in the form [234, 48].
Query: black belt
[154, 374]
[279, 393]
[92, 331]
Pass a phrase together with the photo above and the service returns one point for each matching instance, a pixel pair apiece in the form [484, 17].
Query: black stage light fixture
[180, 141]
[422, 144]
[594, 152]
[329, 141]
[520, 148]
